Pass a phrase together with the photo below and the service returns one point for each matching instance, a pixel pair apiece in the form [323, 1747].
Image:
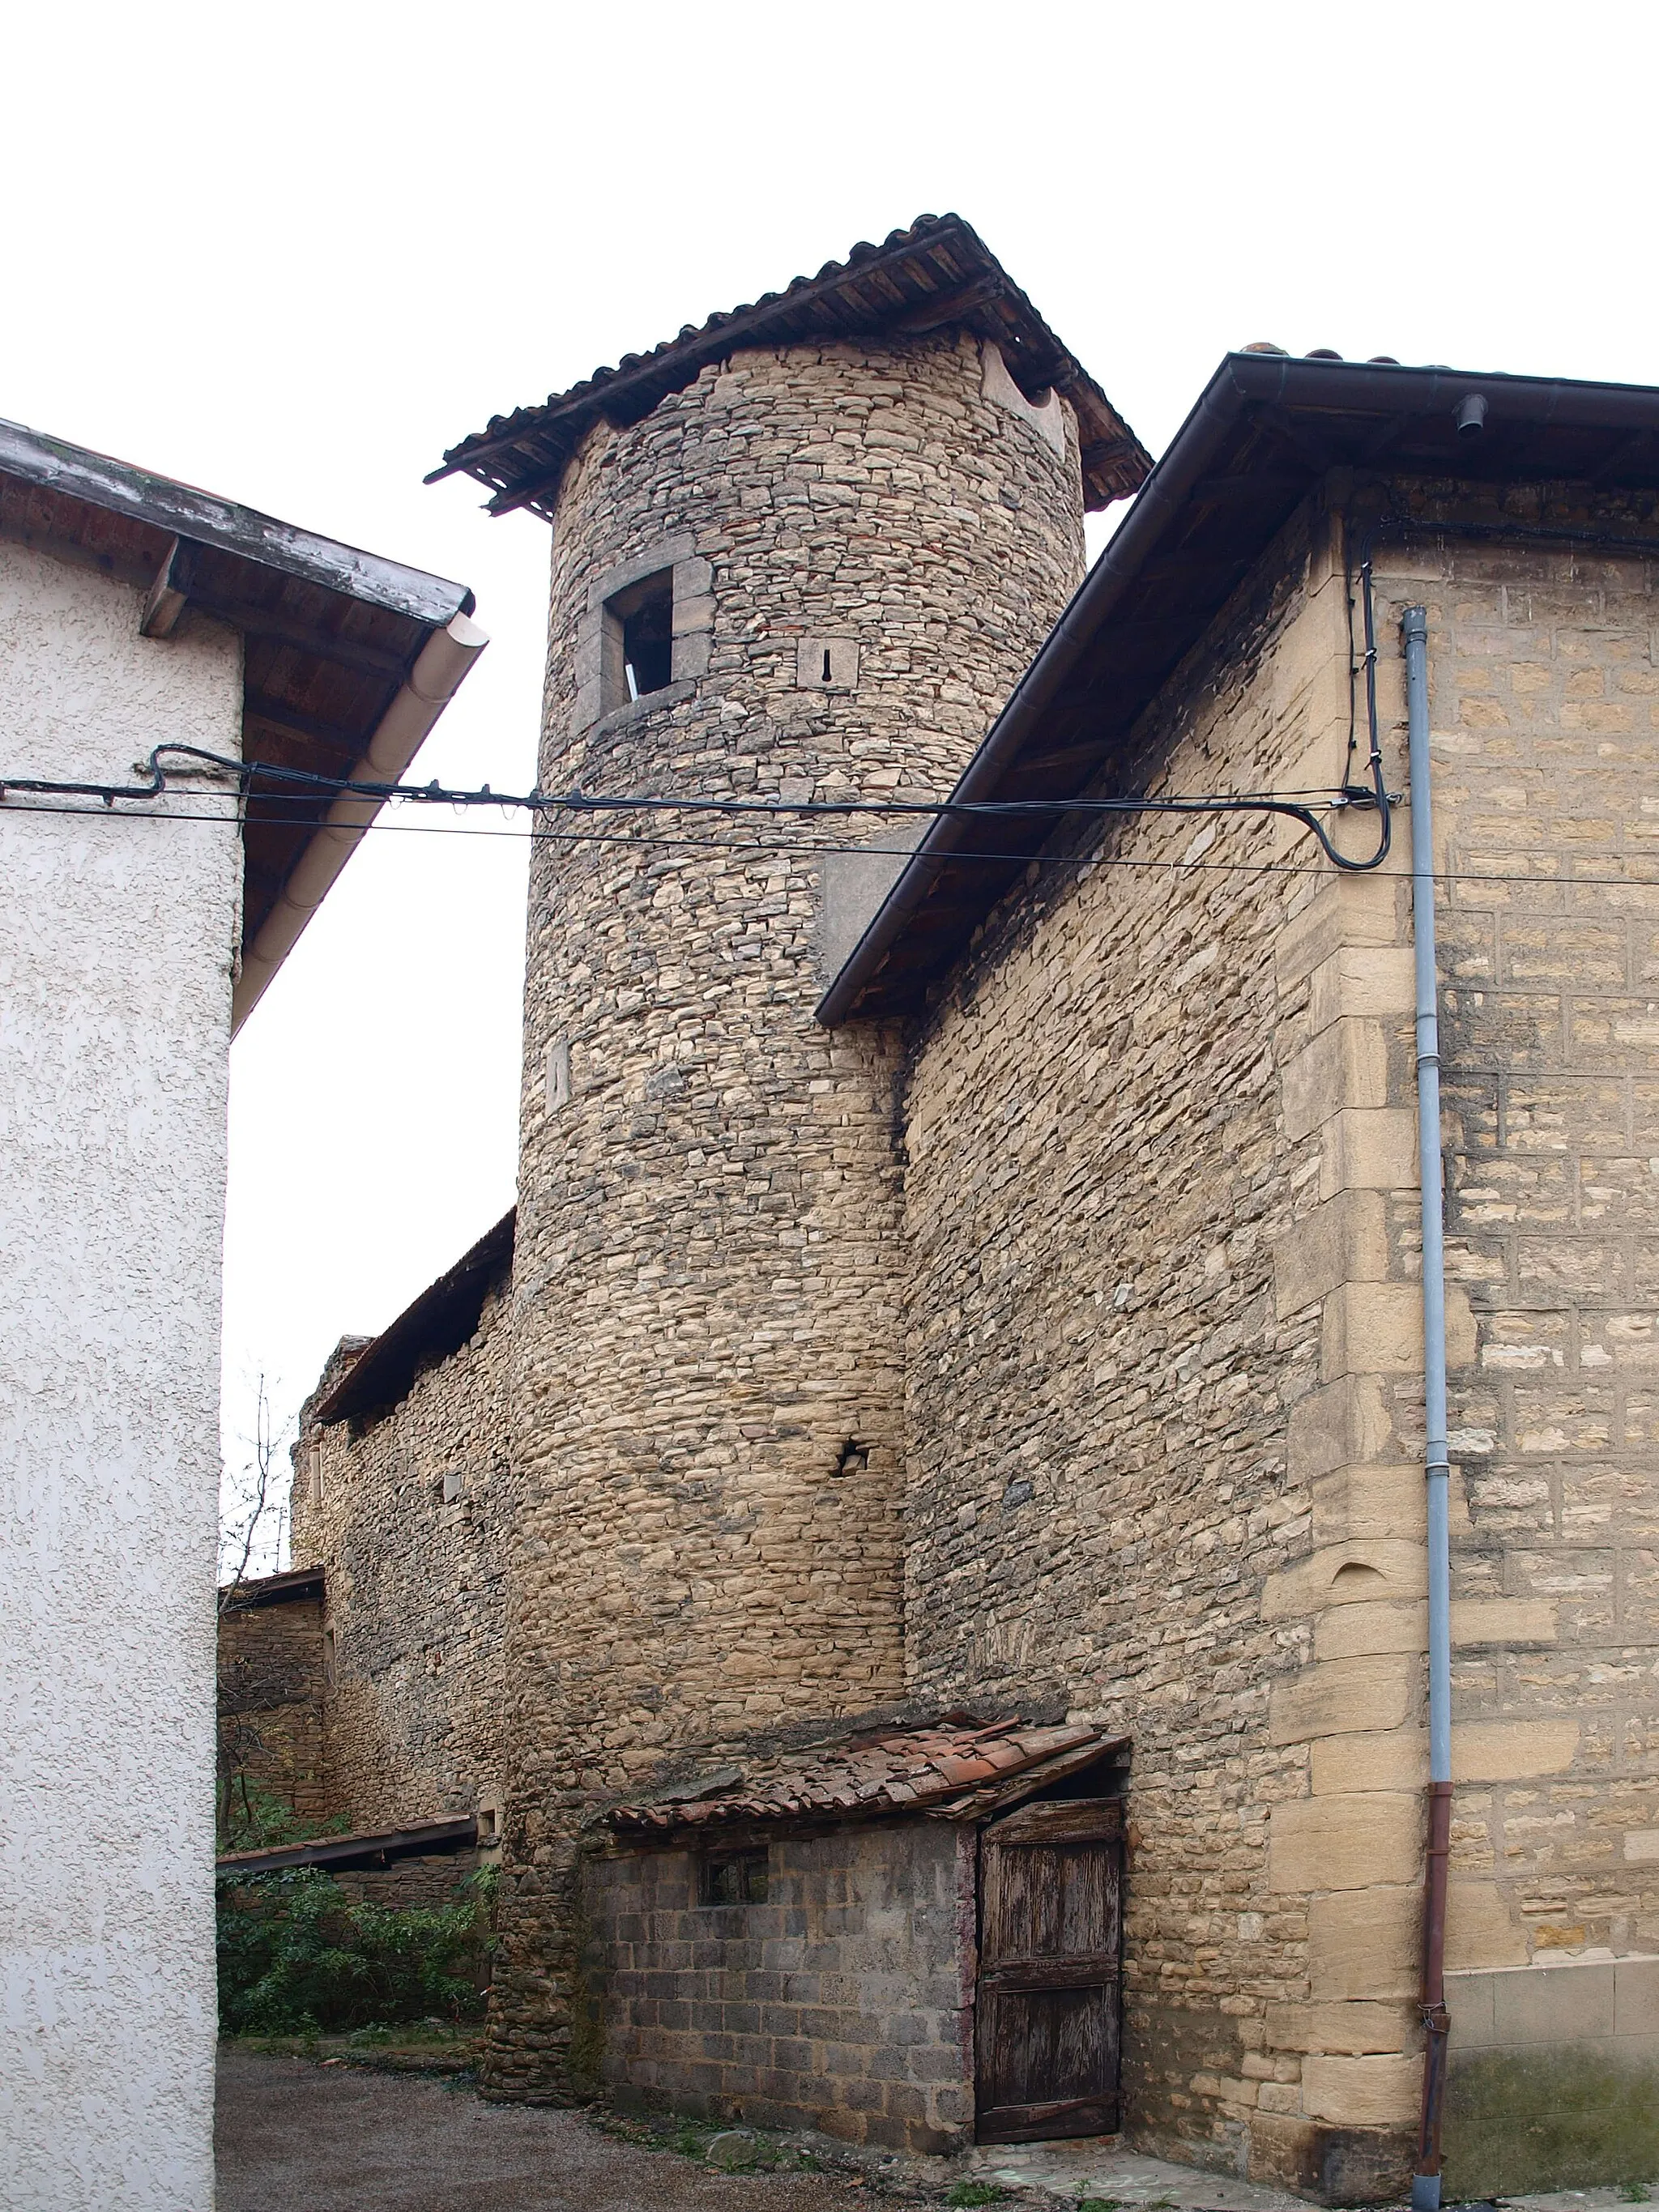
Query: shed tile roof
[909, 1770]
[936, 274]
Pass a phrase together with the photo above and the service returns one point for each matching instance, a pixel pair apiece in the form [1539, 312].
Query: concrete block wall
[844, 2003]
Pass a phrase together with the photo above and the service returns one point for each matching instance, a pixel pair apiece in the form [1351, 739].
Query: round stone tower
[811, 569]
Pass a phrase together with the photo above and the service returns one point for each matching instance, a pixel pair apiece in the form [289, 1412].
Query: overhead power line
[764, 848]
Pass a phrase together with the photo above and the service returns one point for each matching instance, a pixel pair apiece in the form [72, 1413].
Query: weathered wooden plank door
[1050, 1946]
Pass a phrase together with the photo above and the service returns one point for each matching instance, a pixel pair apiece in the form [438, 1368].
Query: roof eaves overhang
[1313, 415]
[182, 511]
[349, 658]
[379, 1847]
[439, 669]
[436, 1323]
[294, 1585]
[936, 274]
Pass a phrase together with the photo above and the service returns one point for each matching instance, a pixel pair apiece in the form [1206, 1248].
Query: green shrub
[252, 1818]
[298, 1956]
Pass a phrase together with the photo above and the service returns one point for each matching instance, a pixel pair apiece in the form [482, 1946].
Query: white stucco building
[136, 934]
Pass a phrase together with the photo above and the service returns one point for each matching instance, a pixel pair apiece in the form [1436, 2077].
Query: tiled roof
[943, 1767]
[935, 275]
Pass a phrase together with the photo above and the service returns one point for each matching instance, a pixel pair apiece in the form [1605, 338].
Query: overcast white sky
[292, 252]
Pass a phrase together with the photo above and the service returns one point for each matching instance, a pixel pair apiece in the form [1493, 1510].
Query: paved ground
[296, 2137]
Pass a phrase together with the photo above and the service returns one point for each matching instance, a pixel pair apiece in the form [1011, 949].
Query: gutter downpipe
[1425, 2179]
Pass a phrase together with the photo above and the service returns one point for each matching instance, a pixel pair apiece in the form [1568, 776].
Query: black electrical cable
[579, 802]
[769, 848]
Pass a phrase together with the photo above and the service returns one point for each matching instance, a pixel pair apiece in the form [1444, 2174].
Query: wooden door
[1050, 1943]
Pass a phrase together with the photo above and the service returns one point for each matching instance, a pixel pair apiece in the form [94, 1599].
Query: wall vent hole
[853, 1457]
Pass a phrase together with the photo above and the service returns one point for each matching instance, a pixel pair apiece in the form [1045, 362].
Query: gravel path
[295, 2138]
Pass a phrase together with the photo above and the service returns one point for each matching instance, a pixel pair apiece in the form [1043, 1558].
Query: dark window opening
[741, 1880]
[1102, 1777]
[646, 615]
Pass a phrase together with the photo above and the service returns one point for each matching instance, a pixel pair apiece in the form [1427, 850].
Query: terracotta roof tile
[922, 1768]
[936, 274]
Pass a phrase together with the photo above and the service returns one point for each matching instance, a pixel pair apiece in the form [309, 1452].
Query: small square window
[644, 615]
[738, 1880]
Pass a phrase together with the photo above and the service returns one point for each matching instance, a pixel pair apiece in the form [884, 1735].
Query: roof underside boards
[954, 1767]
[440, 1321]
[379, 1848]
[1264, 435]
[329, 632]
[296, 1585]
[935, 276]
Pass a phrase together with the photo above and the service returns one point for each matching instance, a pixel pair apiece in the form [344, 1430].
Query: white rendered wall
[116, 940]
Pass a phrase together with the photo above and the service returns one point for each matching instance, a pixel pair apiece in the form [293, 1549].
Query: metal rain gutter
[1426, 2179]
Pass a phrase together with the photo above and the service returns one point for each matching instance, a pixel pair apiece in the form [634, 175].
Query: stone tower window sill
[653, 702]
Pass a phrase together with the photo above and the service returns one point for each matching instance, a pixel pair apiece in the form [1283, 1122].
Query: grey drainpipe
[1425, 2181]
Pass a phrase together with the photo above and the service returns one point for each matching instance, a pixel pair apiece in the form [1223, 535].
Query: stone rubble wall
[1544, 678]
[1545, 714]
[706, 1351]
[1110, 1501]
[271, 1704]
[1165, 1425]
[415, 1698]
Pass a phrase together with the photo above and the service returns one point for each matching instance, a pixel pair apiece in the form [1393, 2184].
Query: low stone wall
[843, 2001]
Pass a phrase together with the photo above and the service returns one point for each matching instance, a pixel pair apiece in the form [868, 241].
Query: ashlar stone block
[1364, 1943]
[1338, 1697]
[1392, 1759]
[1370, 1839]
[1480, 1929]
[1345, 1065]
[1354, 2027]
[1346, 1240]
[1512, 1751]
[1358, 2093]
[1369, 1148]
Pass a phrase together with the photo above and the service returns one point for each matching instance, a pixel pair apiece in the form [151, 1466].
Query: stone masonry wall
[1114, 1139]
[842, 2002]
[270, 1707]
[1544, 713]
[1545, 710]
[1165, 1416]
[707, 1361]
[415, 1694]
